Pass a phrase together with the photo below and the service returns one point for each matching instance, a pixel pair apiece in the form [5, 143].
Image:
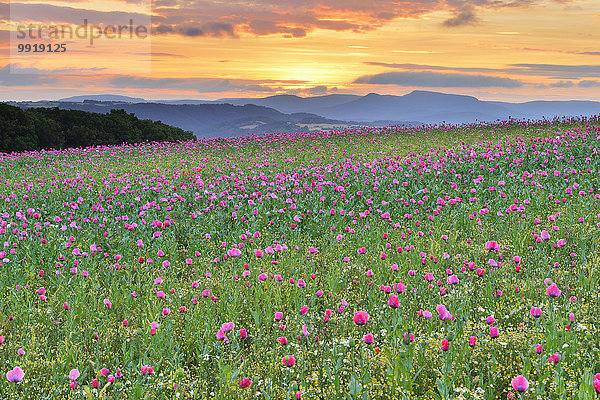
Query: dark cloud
[318, 90]
[562, 84]
[25, 77]
[420, 67]
[290, 18]
[555, 71]
[436, 79]
[462, 17]
[51, 14]
[560, 71]
[588, 84]
[200, 85]
[293, 18]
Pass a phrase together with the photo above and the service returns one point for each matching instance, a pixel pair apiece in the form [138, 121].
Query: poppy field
[438, 262]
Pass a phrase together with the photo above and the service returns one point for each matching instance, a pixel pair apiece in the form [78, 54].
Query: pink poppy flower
[245, 382]
[74, 374]
[147, 369]
[520, 384]
[289, 361]
[15, 375]
[445, 345]
[394, 302]
[492, 245]
[535, 312]
[553, 291]
[361, 317]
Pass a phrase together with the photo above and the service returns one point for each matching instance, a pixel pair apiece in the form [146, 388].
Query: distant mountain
[289, 113]
[423, 106]
[102, 97]
[296, 104]
[209, 120]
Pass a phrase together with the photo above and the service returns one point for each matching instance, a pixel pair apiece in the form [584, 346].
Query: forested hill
[46, 128]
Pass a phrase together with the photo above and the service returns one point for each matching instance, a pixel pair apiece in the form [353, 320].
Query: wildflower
[538, 348]
[493, 332]
[492, 245]
[227, 327]
[15, 375]
[444, 313]
[368, 338]
[74, 374]
[472, 341]
[305, 331]
[520, 384]
[445, 344]
[289, 361]
[554, 358]
[535, 312]
[245, 382]
[361, 317]
[393, 302]
[147, 369]
[553, 291]
[221, 335]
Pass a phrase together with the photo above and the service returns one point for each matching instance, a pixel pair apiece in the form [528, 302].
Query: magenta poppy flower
[289, 361]
[303, 310]
[399, 287]
[555, 358]
[520, 384]
[472, 341]
[278, 316]
[535, 312]
[452, 280]
[282, 340]
[245, 382]
[368, 338]
[493, 332]
[394, 302]
[305, 331]
[15, 375]
[221, 335]
[74, 374]
[243, 333]
[553, 291]
[361, 317]
[444, 313]
[596, 385]
[492, 245]
[538, 348]
[147, 369]
[445, 345]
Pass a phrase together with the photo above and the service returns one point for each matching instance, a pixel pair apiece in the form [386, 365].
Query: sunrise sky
[493, 49]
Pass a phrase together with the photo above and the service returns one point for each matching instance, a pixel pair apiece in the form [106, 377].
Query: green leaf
[441, 388]
[355, 386]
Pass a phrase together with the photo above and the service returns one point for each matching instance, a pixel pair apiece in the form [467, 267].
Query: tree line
[54, 128]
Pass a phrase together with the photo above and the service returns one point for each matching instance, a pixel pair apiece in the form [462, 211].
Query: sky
[509, 50]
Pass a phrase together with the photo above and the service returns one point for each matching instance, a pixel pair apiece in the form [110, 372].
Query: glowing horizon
[511, 51]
